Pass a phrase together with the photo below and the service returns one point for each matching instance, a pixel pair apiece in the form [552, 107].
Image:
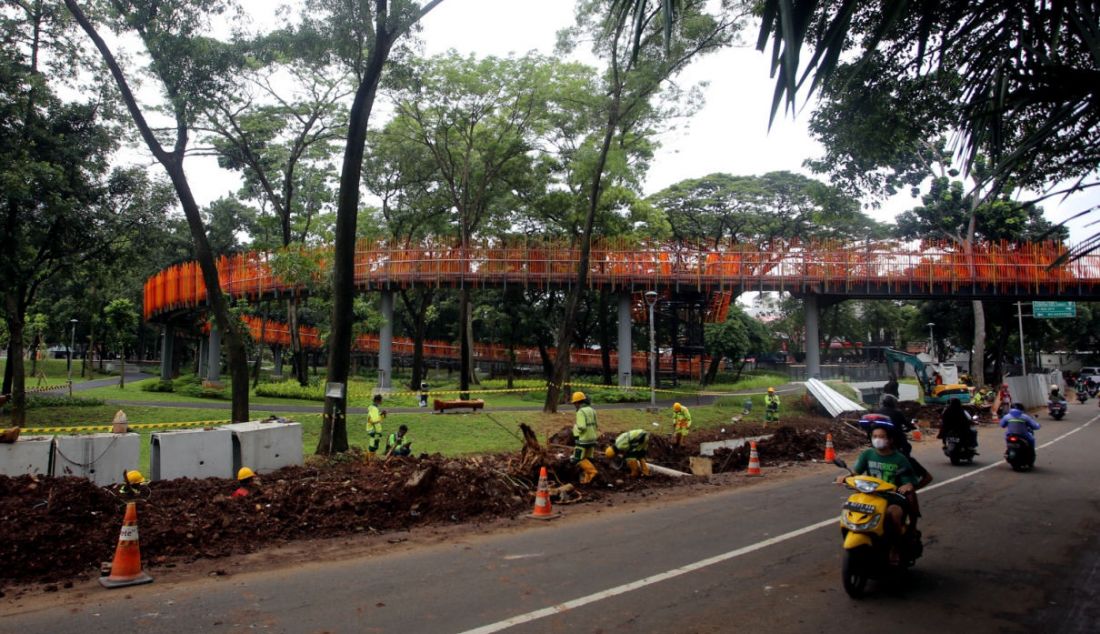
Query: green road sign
[1053, 310]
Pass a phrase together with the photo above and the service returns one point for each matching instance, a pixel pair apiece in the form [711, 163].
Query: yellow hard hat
[134, 477]
[609, 452]
[578, 397]
[245, 473]
[677, 407]
[771, 389]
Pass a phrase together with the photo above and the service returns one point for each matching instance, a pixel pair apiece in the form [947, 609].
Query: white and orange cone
[543, 510]
[830, 452]
[754, 461]
[126, 567]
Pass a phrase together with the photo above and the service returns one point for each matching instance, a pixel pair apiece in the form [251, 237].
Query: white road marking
[709, 561]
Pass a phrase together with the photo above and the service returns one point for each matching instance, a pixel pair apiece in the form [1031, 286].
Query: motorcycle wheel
[1059, 415]
[854, 572]
[955, 460]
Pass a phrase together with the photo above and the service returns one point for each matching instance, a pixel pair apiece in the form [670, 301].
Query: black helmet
[1019, 406]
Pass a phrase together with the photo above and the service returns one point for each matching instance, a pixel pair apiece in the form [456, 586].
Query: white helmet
[1053, 387]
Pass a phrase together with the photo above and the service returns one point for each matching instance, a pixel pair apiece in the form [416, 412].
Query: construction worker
[375, 416]
[247, 482]
[398, 443]
[681, 423]
[771, 406]
[585, 435]
[134, 487]
[633, 445]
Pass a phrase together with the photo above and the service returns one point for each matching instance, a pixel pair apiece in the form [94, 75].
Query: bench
[441, 406]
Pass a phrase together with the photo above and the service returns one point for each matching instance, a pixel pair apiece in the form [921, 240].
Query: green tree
[737, 337]
[640, 63]
[190, 68]
[121, 318]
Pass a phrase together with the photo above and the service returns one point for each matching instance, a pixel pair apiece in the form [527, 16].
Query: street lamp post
[72, 344]
[651, 301]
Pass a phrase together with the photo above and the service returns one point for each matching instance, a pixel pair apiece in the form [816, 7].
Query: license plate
[859, 507]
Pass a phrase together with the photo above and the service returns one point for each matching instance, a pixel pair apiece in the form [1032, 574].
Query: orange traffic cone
[542, 500]
[754, 460]
[126, 568]
[917, 435]
[830, 453]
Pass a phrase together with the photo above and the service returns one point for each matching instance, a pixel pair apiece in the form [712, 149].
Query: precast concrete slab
[101, 458]
[191, 453]
[265, 447]
[29, 455]
[707, 448]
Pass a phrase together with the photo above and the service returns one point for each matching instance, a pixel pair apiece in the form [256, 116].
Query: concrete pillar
[385, 342]
[214, 358]
[626, 347]
[168, 343]
[813, 337]
[277, 352]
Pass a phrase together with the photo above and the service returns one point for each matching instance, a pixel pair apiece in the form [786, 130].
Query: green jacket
[397, 443]
[374, 419]
[585, 430]
[635, 441]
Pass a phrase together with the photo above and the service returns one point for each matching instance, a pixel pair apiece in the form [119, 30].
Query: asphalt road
[1005, 552]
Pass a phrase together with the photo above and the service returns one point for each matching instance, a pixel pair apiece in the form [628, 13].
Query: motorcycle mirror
[840, 463]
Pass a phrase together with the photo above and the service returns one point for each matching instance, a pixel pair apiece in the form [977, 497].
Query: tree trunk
[420, 313]
[569, 318]
[977, 359]
[603, 327]
[15, 361]
[334, 432]
[6, 389]
[121, 366]
[470, 345]
[297, 355]
[712, 371]
[464, 343]
[34, 355]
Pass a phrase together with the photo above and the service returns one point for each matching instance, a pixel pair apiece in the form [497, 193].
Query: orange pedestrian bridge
[817, 272]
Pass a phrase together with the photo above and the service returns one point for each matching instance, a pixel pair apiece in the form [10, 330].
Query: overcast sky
[730, 134]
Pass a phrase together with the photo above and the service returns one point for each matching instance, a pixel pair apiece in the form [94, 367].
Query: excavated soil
[59, 528]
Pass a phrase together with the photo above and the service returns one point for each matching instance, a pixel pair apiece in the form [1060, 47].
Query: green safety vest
[632, 441]
[585, 430]
[397, 444]
[374, 418]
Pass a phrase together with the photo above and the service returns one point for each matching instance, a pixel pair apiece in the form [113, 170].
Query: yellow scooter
[863, 527]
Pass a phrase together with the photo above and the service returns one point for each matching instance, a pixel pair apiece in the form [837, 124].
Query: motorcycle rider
[1016, 421]
[1056, 394]
[901, 425]
[885, 463]
[956, 422]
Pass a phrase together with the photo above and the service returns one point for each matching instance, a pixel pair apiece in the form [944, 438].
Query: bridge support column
[168, 343]
[214, 355]
[626, 347]
[385, 343]
[813, 337]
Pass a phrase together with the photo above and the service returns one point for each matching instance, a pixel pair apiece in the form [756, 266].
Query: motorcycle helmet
[889, 400]
[869, 421]
[1019, 406]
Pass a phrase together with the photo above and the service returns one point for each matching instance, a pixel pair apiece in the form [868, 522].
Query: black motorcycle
[1018, 452]
[1092, 387]
[1082, 395]
[1057, 408]
[959, 450]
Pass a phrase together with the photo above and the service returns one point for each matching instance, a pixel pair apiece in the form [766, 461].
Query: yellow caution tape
[108, 427]
[48, 388]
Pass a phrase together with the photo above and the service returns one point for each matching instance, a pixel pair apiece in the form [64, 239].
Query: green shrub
[35, 401]
[158, 386]
[291, 389]
[191, 385]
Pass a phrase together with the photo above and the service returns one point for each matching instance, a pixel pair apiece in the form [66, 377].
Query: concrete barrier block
[101, 458]
[265, 447]
[191, 453]
[30, 455]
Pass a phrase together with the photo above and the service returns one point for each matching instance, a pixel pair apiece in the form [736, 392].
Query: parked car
[1090, 371]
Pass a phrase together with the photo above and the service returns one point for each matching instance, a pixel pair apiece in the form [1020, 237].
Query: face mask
[879, 443]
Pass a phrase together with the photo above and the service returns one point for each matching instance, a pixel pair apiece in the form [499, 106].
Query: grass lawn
[56, 371]
[447, 434]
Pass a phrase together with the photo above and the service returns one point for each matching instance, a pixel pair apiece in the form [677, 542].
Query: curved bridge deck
[872, 270]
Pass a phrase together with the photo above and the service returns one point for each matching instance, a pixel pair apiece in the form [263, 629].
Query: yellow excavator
[930, 393]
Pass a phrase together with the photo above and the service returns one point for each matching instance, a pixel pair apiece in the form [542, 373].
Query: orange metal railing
[925, 269]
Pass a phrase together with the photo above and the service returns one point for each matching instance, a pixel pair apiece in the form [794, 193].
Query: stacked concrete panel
[191, 453]
[30, 455]
[102, 458]
[265, 447]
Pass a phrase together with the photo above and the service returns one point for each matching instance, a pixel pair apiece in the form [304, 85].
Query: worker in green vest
[632, 445]
[771, 406]
[375, 416]
[398, 443]
[585, 435]
[681, 423]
